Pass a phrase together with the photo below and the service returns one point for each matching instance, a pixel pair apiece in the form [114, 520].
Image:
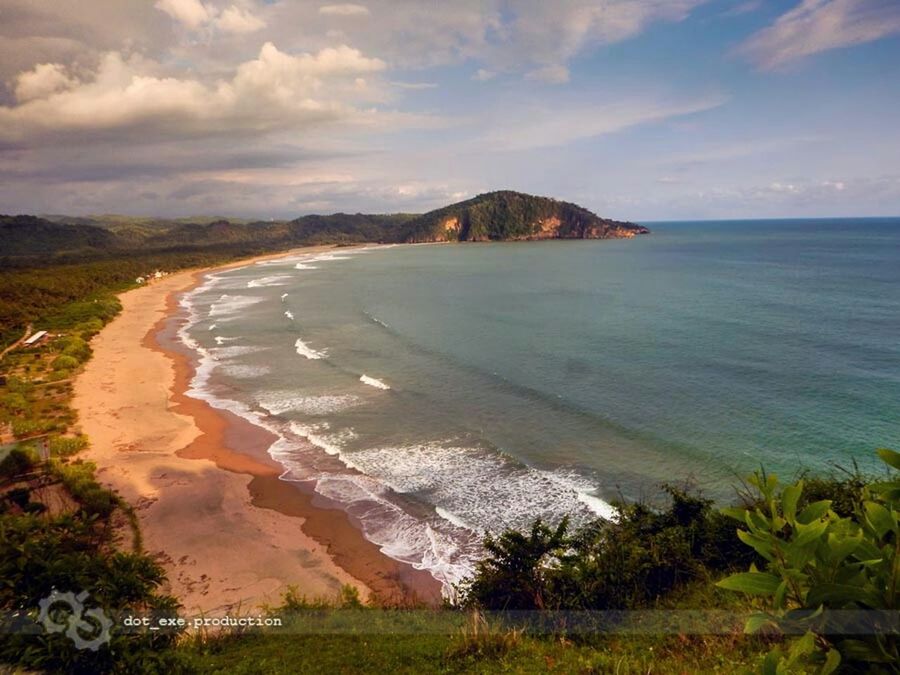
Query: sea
[440, 392]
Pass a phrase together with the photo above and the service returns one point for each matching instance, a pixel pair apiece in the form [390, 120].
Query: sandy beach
[230, 534]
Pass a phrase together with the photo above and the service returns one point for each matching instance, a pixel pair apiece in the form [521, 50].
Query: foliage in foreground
[818, 561]
[628, 563]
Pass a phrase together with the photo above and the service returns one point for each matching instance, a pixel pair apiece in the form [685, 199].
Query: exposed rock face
[513, 216]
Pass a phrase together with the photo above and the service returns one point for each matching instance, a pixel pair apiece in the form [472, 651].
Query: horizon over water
[440, 391]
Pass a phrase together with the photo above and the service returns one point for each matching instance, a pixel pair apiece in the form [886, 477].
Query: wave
[372, 382]
[274, 280]
[229, 306]
[222, 340]
[304, 266]
[244, 371]
[304, 349]
[374, 318]
[289, 314]
[283, 296]
[279, 402]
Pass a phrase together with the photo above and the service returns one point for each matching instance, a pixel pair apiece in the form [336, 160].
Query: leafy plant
[816, 561]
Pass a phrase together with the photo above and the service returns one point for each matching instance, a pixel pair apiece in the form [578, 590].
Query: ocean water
[441, 391]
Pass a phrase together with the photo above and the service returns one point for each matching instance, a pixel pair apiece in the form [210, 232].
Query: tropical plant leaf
[755, 583]
[814, 511]
[789, 499]
[889, 457]
[881, 520]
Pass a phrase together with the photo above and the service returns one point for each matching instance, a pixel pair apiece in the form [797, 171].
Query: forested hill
[507, 215]
[495, 216]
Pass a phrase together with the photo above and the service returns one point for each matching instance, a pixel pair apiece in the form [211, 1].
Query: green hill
[507, 215]
[495, 216]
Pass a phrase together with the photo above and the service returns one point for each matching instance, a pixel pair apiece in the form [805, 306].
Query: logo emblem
[76, 621]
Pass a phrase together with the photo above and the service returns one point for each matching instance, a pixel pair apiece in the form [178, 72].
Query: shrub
[630, 562]
[816, 559]
[19, 461]
[19, 496]
[15, 402]
[63, 446]
[77, 348]
[64, 362]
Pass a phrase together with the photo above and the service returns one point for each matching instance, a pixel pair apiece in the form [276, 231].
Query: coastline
[211, 506]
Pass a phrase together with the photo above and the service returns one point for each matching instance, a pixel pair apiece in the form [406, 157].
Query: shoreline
[210, 502]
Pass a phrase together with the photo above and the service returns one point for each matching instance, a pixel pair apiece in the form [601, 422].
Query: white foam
[230, 305]
[274, 280]
[212, 327]
[485, 489]
[332, 443]
[452, 517]
[304, 266]
[372, 382]
[223, 353]
[283, 296]
[244, 372]
[304, 349]
[279, 402]
[289, 314]
[598, 506]
[222, 340]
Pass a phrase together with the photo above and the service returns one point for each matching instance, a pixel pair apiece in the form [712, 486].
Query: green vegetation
[633, 562]
[816, 559]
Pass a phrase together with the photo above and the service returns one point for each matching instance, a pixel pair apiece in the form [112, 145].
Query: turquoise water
[536, 379]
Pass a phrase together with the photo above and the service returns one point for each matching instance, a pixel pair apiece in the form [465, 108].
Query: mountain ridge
[502, 215]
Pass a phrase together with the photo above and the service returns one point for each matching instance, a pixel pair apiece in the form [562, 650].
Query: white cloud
[482, 75]
[346, 9]
[414, 85]
[192, 13]
[549, 74]
[274, 91]
[816, 26]
[195, 15]
[43, 80]
[237, 20]
[544, 127]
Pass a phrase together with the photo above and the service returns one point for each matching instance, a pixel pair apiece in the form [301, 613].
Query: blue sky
[637, 109]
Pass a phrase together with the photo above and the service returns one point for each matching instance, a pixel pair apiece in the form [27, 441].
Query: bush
[19, 496]
[631, 562]
[15, 402]
[78, 479]
[63, 446]
[64, 362]
[18, 462]
[816, 559]
[77, 348]
[38, 555]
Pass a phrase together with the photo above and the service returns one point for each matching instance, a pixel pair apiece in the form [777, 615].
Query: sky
[636, 109]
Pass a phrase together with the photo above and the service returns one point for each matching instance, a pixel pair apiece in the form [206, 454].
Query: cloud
[414, 85]
[816, 26]
[44, 80]
[549, 74]
[541, 127]
[192, 13]
[276, 90]
[482, 75]
[237, 20]
[346, 9]
[195, 15]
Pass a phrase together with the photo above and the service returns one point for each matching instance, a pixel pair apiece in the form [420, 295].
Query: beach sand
[229, 534]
